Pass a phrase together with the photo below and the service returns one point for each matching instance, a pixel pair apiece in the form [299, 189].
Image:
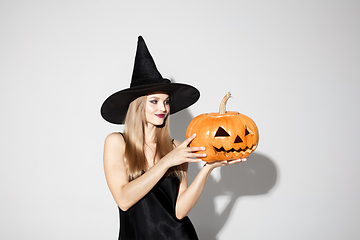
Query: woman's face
[157, 108]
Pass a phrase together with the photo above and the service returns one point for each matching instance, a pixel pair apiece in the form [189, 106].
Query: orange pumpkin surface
[226, 135]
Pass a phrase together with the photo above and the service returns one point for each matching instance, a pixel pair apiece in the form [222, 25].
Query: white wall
[292, 66]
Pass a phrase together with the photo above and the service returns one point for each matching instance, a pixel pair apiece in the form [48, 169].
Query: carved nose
[238, 139]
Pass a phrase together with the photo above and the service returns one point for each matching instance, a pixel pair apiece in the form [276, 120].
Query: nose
[162, 106]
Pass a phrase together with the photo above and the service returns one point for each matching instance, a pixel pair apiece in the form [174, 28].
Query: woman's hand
[183, 153]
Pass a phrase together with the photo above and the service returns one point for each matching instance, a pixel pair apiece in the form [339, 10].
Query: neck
[150, 133]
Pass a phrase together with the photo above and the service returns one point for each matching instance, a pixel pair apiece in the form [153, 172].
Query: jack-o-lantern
[226, 135]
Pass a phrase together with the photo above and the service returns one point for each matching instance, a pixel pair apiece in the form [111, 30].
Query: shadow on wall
[256, 176]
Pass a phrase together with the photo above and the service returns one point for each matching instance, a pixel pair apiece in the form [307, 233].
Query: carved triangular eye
[248, 131]
[221, 133]
[238, 140]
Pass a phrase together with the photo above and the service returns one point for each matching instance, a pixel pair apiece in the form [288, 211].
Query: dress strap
[122, 135]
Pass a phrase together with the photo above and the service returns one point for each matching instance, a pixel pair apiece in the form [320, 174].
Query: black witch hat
[147, 79]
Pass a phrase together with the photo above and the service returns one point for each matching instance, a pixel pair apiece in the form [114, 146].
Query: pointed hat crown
[145, 71]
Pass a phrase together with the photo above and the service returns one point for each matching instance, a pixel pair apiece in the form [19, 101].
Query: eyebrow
[168, 98]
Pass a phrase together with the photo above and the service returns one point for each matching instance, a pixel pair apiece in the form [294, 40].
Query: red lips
[160, 115]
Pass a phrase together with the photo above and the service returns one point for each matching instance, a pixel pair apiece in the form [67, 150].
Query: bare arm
[188, 196]
[126, 193]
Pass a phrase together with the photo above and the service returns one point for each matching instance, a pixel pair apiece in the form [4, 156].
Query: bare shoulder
[114, 165]
[114, 147]
[115, 139]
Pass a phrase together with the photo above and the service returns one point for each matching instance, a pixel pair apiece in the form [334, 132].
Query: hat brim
[115, 107]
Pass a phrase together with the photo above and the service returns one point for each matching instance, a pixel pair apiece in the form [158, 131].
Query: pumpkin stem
[222, 109]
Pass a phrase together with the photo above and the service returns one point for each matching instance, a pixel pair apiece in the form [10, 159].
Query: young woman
[145, 169]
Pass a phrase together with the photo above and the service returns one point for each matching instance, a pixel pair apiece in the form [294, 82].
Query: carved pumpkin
[226, 135]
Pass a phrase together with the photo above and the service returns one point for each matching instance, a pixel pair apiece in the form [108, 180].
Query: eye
[221, 133]
[154, 101]
[248, 131]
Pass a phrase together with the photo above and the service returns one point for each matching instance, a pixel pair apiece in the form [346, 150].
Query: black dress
[153, 217]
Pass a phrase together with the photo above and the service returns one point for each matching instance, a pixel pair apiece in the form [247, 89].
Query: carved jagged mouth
[240, 150]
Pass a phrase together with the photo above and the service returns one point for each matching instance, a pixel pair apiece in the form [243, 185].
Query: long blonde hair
[134, 133]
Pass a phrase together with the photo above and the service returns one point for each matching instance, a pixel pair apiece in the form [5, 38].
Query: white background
[292, 66]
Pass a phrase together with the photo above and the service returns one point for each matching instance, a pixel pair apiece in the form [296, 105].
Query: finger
[197, 155]
[244, 159]
[195, 149]
[237, 160]
[189, 139]
[194, 160]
